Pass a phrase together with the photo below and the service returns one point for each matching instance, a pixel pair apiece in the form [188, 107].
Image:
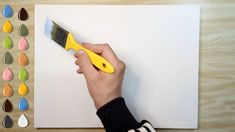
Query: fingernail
[80, 52]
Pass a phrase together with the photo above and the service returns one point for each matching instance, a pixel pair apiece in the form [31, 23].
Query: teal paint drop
[7, 122]
[23, 104]
[7, 11]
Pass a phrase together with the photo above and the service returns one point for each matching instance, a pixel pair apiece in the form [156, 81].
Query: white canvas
[158, 43]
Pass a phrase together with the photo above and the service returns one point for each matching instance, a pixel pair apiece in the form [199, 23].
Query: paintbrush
[65, 39]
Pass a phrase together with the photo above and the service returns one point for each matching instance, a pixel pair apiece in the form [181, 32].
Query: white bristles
[48, 27]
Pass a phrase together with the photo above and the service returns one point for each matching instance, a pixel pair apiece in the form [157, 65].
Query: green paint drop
[23, 75]
[23, 30]
[8, 43]
[7, 58]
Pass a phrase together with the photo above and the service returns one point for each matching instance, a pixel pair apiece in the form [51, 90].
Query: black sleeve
[116, 117]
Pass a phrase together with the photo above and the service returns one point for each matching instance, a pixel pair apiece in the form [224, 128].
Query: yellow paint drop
[7, 27]
[23, 59]
[23, 89]
[7, 90]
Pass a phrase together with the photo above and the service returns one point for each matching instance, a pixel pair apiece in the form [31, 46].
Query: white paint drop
[23, 121]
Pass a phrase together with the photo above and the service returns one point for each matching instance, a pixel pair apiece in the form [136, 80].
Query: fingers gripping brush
[66, 40]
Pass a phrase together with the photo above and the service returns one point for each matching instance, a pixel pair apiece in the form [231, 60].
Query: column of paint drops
[7, 59]
[23, 62]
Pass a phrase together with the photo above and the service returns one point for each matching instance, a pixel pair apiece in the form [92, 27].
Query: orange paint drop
[7, 90]
[23, 59]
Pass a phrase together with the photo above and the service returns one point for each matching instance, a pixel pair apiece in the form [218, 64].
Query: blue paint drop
[7, 11]
[23, 104]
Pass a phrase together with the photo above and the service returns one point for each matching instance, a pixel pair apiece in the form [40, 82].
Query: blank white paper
[158, 43]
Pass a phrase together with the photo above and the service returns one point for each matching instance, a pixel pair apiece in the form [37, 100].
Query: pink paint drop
[23, 44]
[7, 74]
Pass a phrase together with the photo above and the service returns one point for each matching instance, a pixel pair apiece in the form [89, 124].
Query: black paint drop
[23, 14]
[7, 106]
[7, 122]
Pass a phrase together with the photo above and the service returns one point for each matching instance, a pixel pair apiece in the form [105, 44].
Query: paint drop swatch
[7, 11]
[23, 30]
[23, 89]
[7, 27]
[23, 75]
[23, 44]
[7, 58]
[23, 59]
[7, 74]
[23, 104]
[8, 43]
[7, 106]
[7, 122]
[7, 90]
[23, 121]
[23, 14]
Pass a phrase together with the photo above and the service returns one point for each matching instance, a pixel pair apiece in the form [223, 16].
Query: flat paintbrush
[66, 40]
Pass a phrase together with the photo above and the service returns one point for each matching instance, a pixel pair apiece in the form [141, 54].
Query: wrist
[102, 102]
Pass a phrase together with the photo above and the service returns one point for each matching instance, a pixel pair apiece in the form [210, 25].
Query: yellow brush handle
[96, 60]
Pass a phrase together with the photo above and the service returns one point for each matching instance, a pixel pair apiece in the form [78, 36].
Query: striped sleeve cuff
[145, 127]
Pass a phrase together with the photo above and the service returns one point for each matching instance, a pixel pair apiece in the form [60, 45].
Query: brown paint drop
[7, 90]
[7, 106]
[23, 14]
[23, 59]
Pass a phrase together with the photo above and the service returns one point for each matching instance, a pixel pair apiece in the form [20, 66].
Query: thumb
[85, 64]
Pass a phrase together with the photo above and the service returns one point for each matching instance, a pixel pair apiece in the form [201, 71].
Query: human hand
[103, 87]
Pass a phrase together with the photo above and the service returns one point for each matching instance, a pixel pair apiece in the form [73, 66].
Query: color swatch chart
[17, 72]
